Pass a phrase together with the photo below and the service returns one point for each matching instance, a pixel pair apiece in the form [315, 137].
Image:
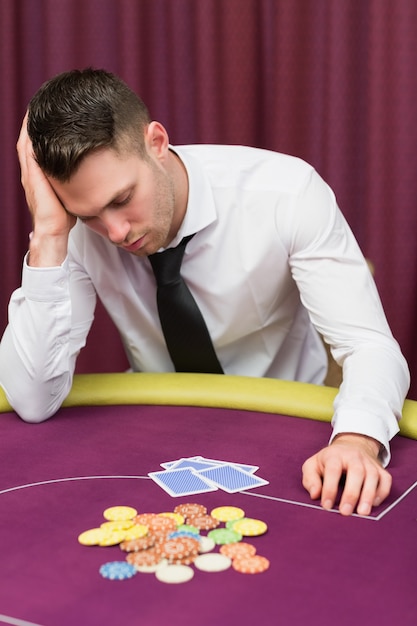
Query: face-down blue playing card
[182, 482]
[231, 479]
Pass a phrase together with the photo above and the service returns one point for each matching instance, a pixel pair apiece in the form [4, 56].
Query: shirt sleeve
[49, 318]
[340, 295]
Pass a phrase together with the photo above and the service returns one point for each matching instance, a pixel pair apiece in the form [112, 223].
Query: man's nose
[117, 227]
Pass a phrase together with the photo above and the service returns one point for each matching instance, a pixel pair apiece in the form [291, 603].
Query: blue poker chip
[117, 570]
[183, 533]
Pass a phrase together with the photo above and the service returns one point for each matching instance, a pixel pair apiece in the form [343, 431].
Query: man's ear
[157, 141]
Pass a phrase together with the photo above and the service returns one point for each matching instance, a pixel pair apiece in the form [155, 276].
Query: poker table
[57, 478]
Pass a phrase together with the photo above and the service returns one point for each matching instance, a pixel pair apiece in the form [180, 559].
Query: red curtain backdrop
[331, 81]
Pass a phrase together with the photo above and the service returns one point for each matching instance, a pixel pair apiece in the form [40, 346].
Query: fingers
[366, 485]
[312, 480]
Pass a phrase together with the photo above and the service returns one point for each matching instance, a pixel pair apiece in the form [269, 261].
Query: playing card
[170, 464]
[182, 482]
[192, 463]
[250, 469]
[231, 478]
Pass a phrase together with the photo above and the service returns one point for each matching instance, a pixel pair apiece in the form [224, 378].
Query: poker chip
[112, 538]
[227, 513]
[249, 527]
[206, 545]
[91, 537]
[169, 543]
[165, 524]
[136, 545]
[213, 562]
[222, 536]
[181, 550]
[183, 533]
[145, 518]
[189, 510]
[203, 522]
[174, 574]
[145, 558]
[238, 550]
[177, 517]
[118, 513]
[136, 531]
[117, 570]
[120, 525]
[189, 528]
[251, 565]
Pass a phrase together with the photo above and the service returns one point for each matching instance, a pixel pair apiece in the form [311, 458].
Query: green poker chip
[222, 536]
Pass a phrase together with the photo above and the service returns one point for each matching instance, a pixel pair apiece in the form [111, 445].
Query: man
[270, 263]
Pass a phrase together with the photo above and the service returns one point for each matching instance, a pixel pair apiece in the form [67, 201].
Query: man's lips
[135, 245]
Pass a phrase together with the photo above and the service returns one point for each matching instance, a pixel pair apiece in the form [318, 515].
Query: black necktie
[185, 331]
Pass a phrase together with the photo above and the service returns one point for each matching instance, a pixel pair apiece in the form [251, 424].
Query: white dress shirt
[272, 260]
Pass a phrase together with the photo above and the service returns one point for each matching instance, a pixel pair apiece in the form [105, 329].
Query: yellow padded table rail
[210, 390]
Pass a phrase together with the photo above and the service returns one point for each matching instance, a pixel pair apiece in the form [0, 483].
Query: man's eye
[123, 202]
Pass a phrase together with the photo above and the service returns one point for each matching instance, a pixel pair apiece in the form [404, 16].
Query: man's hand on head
[356, 458]
[51, 222]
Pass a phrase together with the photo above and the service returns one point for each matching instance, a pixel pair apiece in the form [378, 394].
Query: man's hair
[81, 111]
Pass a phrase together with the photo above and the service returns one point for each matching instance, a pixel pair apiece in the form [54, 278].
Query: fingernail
[327, 504]
[364, 509]
[346, 509]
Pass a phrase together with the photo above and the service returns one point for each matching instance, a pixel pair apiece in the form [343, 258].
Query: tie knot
[167, 265]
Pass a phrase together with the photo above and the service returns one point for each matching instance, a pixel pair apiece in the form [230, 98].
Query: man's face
[124, 198]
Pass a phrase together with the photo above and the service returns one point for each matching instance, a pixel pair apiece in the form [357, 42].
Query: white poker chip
[174, 574]
[213, 562]
[206, 545]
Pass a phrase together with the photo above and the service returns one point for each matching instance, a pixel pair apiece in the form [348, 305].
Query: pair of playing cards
[197, 474]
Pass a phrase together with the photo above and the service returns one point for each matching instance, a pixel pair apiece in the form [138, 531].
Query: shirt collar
[201, 209]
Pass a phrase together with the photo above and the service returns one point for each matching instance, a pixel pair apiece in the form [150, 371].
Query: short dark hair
[81, 111]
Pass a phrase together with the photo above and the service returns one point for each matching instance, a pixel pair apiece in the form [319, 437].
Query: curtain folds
[334, 82]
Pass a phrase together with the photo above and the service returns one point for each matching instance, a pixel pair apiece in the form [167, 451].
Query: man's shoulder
[255, 166]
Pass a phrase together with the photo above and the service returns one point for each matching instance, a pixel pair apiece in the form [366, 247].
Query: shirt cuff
[44, 284]
[369, 425]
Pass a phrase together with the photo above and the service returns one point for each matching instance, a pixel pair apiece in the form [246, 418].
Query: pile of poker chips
[168, 544]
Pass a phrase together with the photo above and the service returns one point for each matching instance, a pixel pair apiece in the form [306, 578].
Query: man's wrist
[47, 250]
[373, 445]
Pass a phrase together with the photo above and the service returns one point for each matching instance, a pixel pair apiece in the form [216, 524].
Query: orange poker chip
[191, 509]
[203, 522]
[238, 550]
[179, 548]
[160, 523]
[251, 565]
[137, 545]
[144, 518]
[145, 558]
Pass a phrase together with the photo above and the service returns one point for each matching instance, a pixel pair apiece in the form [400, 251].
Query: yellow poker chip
[177, 517]
[112, 538]
[91, 537]
[121, 525]
[136, 532]
[227, 513]
[119, 513]
[249, 527]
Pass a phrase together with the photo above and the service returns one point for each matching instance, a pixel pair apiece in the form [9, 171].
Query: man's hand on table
[356, 457]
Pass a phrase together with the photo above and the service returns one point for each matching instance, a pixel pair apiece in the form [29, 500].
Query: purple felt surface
[57, 478]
